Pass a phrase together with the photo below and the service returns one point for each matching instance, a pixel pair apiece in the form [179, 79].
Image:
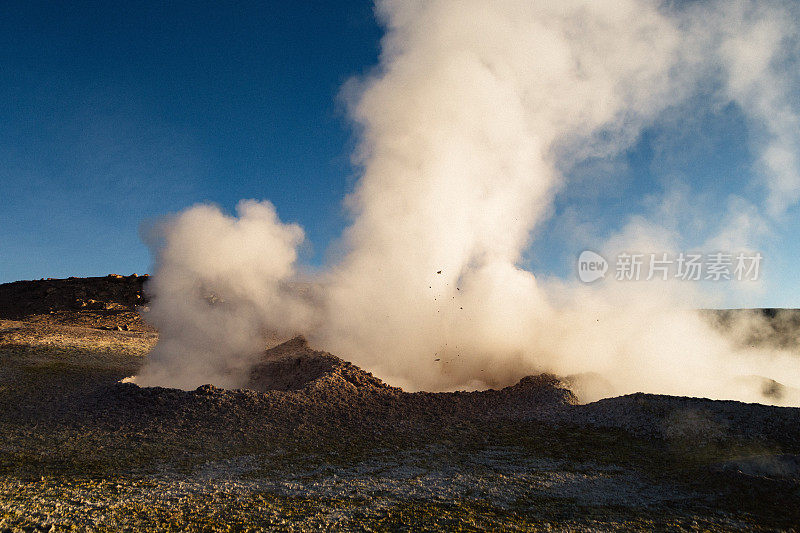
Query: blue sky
[116, 114]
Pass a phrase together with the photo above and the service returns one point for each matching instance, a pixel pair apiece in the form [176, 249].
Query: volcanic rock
[21, 299]
[294, 366]
[100, 302]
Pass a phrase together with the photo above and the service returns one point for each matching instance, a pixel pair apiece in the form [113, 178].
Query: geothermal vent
[294, 366]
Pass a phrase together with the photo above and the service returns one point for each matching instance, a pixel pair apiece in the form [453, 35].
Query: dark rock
[94, 302]
[293, 365]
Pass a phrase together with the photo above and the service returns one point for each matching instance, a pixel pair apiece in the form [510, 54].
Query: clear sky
[114, 114]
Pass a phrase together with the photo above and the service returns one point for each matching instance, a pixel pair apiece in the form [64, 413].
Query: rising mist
[467, 129]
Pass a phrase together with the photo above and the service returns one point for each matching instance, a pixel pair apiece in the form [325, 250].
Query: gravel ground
[335, 448]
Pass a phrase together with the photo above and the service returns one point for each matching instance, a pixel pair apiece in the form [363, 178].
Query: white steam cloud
[466, 129]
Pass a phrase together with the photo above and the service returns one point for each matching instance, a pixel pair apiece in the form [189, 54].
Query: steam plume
[466, 129]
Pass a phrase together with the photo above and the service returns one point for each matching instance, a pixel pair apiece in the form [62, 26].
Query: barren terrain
[315, 442]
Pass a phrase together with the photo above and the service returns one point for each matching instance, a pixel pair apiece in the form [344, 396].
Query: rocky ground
[315, 442]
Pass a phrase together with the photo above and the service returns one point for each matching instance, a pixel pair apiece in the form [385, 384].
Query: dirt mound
[327, 382]
[692, 419]
[293, 366]
[528, 398]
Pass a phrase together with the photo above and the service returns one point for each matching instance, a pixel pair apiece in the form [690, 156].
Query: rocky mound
[529, 398]
[294, 366]
[317, 382]
[691, 419]
[323, 379]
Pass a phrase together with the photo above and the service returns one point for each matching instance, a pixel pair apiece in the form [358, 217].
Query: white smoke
[466, 129]
[220, 288]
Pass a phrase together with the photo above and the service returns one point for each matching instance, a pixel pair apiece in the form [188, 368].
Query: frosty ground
[316, 442]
